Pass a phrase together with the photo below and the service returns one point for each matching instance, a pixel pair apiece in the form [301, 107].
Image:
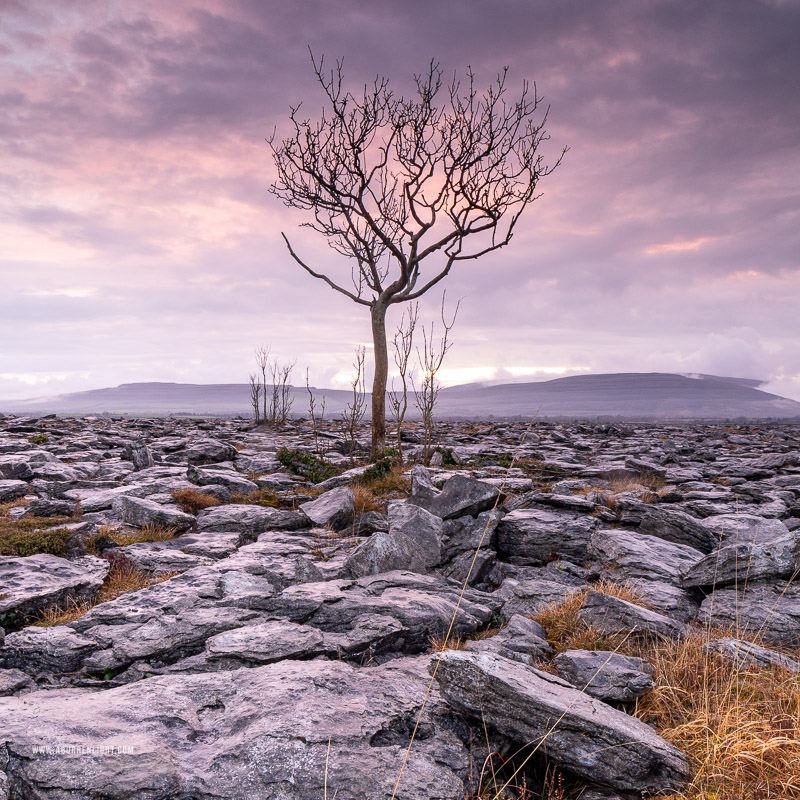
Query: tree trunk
[378, 312]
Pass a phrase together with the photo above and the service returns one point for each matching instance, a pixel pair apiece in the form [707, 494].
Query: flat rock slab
[614, 616]
[605, 674]
[160, 557]
[40, 581]
[423, 604]
[141, 512]
[460, 496]
[770, 610]
[249, 519]
[248, 734]
[591, 739]
[625, 555]
[537, 535]
[55, 649]
[741, 562]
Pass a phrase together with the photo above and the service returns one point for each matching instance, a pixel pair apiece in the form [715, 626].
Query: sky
[139, 240]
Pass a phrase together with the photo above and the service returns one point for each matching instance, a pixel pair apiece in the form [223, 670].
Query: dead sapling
[430, 362]
[355, 410]
[255, 397]
[317, 414]
[262, 361]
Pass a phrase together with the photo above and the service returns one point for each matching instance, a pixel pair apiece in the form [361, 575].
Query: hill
[633, 395]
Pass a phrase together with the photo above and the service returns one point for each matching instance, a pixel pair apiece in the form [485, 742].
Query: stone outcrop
[327, 618]
[580, 733]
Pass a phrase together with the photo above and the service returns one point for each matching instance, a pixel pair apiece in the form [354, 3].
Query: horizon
[758, 383]
[139, 242]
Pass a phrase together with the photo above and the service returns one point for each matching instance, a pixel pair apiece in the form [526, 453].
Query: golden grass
[191, 500]
[440, 643]
[391, 485]
[122, 537]
[32, 535]
[739, 727]
[264, 496]
[124, 576]
[365, 500]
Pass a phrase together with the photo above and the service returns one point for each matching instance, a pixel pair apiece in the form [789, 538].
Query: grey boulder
[42, 581]
[592, 740]
[537, 535]
[624, 555]
[12, 489]
[605, 674]
[769, 610]
[334, 508]
[611, 615]
[249, 734]
[460, 496]
[678, 527]
[744, 561]
[141, 512]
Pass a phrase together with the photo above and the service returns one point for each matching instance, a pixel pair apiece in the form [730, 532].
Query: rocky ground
[283, 642]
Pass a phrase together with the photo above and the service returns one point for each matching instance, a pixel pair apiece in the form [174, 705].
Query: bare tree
[355, 410]
[403, 343]
[316, 418]
[430, 362]
[285, 399]
[262, 361]
[255, 396]
[396, 184]
[280, 403]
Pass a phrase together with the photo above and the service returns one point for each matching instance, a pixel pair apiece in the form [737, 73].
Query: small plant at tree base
[377, 470]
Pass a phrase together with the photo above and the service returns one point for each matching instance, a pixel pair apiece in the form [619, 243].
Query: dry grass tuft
[365, 500]
[393, 484]
[191, 500]
[739, 727]
[55, 615]
[124, 576]
[487, 633]
[122, 537]
[439, 643]
[32, 535]
[262, 497]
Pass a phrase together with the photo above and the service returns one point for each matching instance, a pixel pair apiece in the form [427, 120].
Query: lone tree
[406, 188]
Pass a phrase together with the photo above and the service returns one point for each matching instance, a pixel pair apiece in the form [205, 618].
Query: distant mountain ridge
[635, 395]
